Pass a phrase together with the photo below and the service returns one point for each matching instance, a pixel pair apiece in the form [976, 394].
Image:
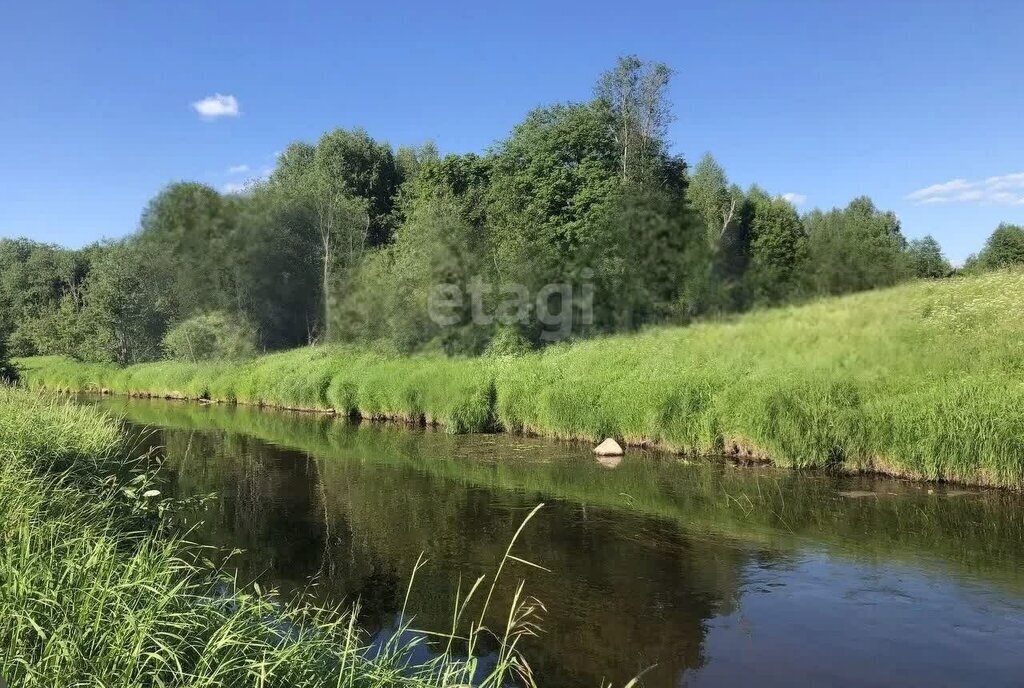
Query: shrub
[211, 336]
[508, 341]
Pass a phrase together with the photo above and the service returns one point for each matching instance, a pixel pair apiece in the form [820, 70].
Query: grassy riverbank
[974, 534]
[922, 380]
[97, 589]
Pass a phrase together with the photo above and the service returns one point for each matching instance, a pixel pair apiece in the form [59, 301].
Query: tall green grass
[924, 380]
[980, 535]
[96, 589]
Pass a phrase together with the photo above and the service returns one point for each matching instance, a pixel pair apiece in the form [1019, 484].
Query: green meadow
[921, 380]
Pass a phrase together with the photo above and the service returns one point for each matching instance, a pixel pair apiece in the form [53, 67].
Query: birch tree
[636, 94]
[342, 224]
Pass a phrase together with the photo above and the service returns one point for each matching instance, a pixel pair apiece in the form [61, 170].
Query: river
[701, 573]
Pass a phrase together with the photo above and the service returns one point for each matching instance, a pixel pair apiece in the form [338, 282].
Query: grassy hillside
[922, 380]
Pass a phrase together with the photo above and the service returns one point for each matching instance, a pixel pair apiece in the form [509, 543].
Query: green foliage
[211, 336]
[634, 93]
[926, 259]
[556, 192]
[188, 239]
[250, 255]
[52, 431]
[709, 196]
[463, 179]
[93, 565]
[648, 263]
[341, 193]
[726, 217]
[1005, 247]
[277, 259]
[908, 381]
[409, 160]
[347, 240]
[360, 168]
[905, 381]
[555, 204]
[390, 297]
[127, 307]
[34, 278]
[778, 250]
[553, 184]
[856, 248]
[508, 341]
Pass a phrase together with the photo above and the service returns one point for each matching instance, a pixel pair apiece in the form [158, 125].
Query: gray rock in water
[608, 448]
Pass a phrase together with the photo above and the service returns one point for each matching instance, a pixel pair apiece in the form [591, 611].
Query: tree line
[348, 238]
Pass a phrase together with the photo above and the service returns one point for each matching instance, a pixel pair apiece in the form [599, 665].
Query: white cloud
[238, 169]
[1007, 181]
[1007, 189]
[234, 187]
[794, 198]
[216, 106]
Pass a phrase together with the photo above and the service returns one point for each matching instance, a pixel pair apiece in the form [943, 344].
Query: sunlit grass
[96, 589]
[922, 380]
[978, 536]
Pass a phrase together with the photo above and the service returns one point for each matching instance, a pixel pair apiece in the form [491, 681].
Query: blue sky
[825, 100]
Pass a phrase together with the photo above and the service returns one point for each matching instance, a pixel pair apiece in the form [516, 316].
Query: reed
[98, 587]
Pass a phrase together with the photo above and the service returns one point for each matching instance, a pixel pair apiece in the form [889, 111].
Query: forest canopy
[581, 221]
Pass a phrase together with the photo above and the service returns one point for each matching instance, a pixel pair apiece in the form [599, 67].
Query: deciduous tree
[1005, 247]
[926, 259]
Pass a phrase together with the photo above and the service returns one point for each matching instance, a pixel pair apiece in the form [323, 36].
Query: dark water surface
[711, 574]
